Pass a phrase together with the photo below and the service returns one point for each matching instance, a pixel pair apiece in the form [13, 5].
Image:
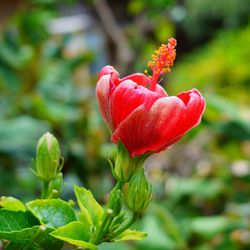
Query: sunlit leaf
[76, 233]
[52, 212]
[11, 203]
[90, 208]
[131, 235]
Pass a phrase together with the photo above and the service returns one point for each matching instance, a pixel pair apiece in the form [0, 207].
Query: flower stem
[45, 190]
[126, 226]
[107, 218]
[41, 229]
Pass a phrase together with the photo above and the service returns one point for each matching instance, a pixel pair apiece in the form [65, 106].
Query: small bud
[138, 192]
[55, 186]
[125, 165]
[110, 211]
[116, 201]
[43, 228]
[48, 157]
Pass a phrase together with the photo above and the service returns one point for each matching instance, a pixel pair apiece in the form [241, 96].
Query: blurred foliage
[221, 66]
[201, 196]
[46, 86]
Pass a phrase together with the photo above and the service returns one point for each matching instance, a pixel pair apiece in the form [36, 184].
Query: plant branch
[126, 226]
[107, 218]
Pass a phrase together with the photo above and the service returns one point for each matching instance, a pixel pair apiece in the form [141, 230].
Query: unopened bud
[48, 157]
[138, 192]
[116, 201]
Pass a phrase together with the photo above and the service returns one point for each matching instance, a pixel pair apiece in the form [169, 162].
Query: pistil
[162, 60]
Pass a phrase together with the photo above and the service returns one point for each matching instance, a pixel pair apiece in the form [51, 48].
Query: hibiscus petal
[108, 70]
[127, 97]
[160, 90]
[138, 78]
[143, 131]
[195, 106]
[168, 119]
[103, 97]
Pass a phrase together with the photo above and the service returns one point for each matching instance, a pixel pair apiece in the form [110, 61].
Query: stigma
[162, 60]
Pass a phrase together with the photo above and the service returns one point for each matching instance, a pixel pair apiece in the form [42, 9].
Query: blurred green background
[50, 55]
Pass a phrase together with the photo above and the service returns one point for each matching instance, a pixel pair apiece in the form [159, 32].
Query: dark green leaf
[46, 241]
[20, 236]
[16, 220]
[14, 246]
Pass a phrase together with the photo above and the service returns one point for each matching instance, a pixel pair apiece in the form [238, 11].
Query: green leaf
[14, 246]
[45, 241]
[90, 208]
[131, 235]
[22, 227]
[75, 233]
[48, 242]
[53, 213]
[16, 220]
[20, 236]
[17, 226]
[11, 203]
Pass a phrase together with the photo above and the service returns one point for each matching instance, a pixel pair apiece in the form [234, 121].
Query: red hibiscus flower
[140, 113]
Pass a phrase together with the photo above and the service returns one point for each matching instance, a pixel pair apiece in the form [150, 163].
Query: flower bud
[48, 157]
[116, 201]
[55, 186]
[125, 165]
[138, 192]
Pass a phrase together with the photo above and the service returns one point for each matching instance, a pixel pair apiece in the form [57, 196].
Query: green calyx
[126, 166]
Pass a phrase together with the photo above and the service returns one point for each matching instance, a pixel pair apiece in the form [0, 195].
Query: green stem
[107, 226]
[107, 218]
[35, 237]
[45, 190]
[126, 226]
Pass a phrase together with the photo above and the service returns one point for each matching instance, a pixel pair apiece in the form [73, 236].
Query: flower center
[161, 62]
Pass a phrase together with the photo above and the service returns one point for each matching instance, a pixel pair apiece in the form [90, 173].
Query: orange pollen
[162, 60]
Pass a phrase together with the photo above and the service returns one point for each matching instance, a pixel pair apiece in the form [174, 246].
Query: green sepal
[54, 187]
[53, 213]
[75, 233]
[125, 165]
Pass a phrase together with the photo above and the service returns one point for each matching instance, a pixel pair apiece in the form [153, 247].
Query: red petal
[109, 70]
[103, 97]
[138, 78]
[168, 119]
[160, 90]
[195, 106]
[127, 97]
